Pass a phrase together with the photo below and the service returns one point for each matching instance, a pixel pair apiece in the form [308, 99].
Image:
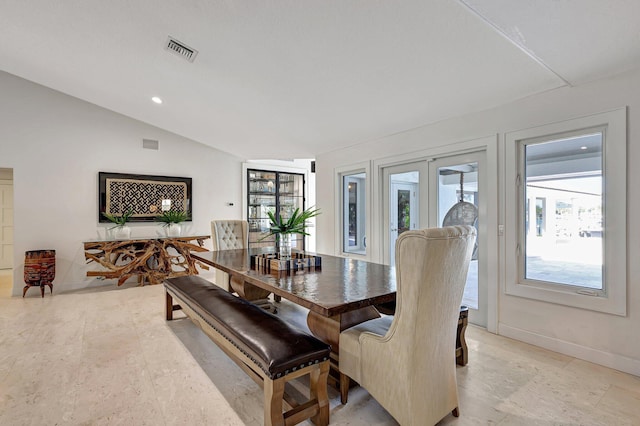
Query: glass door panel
[272, 192]
[458, 205]
[404, 207]
[455, 199]
[290, 198]
[405, 200]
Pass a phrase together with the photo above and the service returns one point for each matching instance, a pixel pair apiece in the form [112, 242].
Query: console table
[152, 260]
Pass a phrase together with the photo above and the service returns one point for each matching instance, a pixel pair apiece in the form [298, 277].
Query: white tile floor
[107, 356]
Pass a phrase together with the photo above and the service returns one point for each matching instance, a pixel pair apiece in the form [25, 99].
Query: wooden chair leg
[24, 290]
[462, 357]
[273, 397]
[344, 388]
[318, 385]
[168, 306]
[42, 290]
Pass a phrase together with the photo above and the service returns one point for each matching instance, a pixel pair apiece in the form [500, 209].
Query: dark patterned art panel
[143, 194]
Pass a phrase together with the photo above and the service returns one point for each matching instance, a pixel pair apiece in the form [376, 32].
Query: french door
[440, 192]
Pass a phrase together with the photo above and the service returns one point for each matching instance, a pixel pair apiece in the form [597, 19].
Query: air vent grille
[150, 144]
[181, 49]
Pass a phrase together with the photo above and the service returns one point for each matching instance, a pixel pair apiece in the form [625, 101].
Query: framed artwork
[146, 196]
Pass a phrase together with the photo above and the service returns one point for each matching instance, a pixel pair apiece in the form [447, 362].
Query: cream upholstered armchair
[406, 362]
[231, 235]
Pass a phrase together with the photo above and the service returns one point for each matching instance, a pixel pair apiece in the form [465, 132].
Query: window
[568, 205]
[563, 182]
[353, 215]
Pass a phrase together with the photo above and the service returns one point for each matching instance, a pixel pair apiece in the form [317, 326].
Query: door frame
[9, 183]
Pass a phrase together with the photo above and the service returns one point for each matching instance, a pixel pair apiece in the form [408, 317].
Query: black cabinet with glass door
[277, 192]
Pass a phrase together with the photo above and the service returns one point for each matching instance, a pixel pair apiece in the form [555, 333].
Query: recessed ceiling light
[583, 147]
[156, 100]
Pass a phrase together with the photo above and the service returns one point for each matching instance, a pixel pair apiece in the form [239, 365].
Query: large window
[563, 187]
[568, 206]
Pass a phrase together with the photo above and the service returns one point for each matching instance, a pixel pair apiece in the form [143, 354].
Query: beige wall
[607, 339]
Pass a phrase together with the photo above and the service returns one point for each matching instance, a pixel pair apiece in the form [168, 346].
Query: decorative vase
[173, 230]
[39, 269]
[285, 246]
[120, 232]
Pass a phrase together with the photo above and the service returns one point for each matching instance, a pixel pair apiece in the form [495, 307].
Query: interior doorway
[6, 231]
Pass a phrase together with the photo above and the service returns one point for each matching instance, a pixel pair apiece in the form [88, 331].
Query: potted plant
[283, 229]
[171, 220]
[120, 230]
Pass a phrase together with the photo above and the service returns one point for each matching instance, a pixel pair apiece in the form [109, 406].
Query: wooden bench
[268, 349]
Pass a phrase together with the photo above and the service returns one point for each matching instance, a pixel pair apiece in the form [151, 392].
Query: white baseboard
[608, 359]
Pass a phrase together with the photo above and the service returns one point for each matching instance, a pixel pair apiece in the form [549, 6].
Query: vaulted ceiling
[296, 78]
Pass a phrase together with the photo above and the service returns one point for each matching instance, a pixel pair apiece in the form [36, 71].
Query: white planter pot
[119, 233]
[173, 230]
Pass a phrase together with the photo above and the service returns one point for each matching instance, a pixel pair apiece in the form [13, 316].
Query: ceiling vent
[181, 49]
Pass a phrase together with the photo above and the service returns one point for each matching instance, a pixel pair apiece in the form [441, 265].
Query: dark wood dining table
[339, 294]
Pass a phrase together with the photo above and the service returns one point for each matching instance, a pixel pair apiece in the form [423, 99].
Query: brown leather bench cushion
[273, 345]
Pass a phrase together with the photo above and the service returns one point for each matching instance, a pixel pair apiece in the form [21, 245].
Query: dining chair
[406, 361]
[231, 235]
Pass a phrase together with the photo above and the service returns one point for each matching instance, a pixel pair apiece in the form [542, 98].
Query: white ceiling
[294, 78]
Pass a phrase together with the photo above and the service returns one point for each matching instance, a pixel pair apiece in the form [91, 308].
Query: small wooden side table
[39, 270]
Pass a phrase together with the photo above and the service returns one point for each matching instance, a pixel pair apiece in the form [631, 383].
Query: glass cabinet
[279, 193]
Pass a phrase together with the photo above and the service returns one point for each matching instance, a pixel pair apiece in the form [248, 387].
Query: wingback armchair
[231, 235]
[406, 361]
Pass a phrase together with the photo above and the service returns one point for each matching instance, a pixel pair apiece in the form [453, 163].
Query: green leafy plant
[172, 216]
[119, 220]
[296, 224]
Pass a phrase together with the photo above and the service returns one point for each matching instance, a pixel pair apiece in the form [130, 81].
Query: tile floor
[106, 356]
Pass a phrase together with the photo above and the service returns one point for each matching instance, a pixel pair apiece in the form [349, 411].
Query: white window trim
[339, 174]
[613, 299]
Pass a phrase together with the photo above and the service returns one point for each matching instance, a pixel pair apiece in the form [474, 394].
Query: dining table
[339, 293]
